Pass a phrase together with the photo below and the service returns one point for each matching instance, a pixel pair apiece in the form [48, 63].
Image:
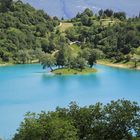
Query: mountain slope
[22, 31]
[69, 8]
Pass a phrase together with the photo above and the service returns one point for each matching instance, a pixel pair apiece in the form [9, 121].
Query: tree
[81, 63]
[58, 128]
[5, 5]
[23, 56]
[88, 12]
[46, 126]
[120, 15]
[47, 45]
[62, 18]
[117, 120]
[30, 129]
[101, 12]
[48, 60]
[41, 29]
[71, 34]
[135, 59]
[62, 56]
[78, 15]
[85, 53]
[121, 119]
[85, 19]
[108, 12]
[94, 55]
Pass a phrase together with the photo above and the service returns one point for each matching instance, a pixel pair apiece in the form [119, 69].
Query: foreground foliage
[117, 120]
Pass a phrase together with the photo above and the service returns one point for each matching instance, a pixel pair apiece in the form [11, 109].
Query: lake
[69, 8]
[29, 88]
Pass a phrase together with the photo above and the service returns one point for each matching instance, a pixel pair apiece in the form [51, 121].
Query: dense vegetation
[112, 33]
[23, 31]
[73, 63]
[26, 34]
[108, 35]
[118, 120]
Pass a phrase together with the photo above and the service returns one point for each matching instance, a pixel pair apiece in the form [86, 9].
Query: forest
[115, 35]
[27, 34]
[23, 31]
[117, 120]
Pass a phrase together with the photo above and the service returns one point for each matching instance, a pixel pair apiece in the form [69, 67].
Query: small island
[66, 62]
[66, 71]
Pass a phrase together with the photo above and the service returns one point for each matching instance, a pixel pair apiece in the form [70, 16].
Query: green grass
[75, 49]
[107, 21]
[67, 71]
[65, 26]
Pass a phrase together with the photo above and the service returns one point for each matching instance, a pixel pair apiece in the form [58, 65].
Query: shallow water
[69, 8]
[29, 88]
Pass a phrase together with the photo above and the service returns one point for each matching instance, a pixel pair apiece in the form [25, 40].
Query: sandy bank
[117, 65]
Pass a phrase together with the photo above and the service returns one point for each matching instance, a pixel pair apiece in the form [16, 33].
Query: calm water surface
[28, 88]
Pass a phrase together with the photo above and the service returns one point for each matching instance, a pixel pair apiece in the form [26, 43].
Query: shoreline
[10, 64]
[117, 65]
[66, 71]
[6, 64]
[106, 63]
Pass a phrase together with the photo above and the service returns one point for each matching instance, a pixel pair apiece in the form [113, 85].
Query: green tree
[108, 12]
[86, 53]
[117, 120]
[59, 128]
[135, 59]
[121, 118]
[30, 129]
[48, 60]
[80, 63]
[62, 56]
[94, 56]
[45, 45]
[46, 126]
[5, 5]
[85, 19]
[101, 12]
[120, 15]
[88, 12]
[23, 56]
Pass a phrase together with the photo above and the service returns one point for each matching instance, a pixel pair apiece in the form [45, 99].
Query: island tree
[48, 60]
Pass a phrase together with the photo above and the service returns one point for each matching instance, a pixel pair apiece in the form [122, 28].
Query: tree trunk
[91, 66]
[51, 68]
[135, 64]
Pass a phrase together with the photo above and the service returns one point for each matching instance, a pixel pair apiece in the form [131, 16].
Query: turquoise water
[28, 88]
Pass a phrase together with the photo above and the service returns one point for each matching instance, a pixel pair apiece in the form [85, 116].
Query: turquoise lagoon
[29, 88]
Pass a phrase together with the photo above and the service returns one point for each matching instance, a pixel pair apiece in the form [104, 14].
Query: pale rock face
[69, 8]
